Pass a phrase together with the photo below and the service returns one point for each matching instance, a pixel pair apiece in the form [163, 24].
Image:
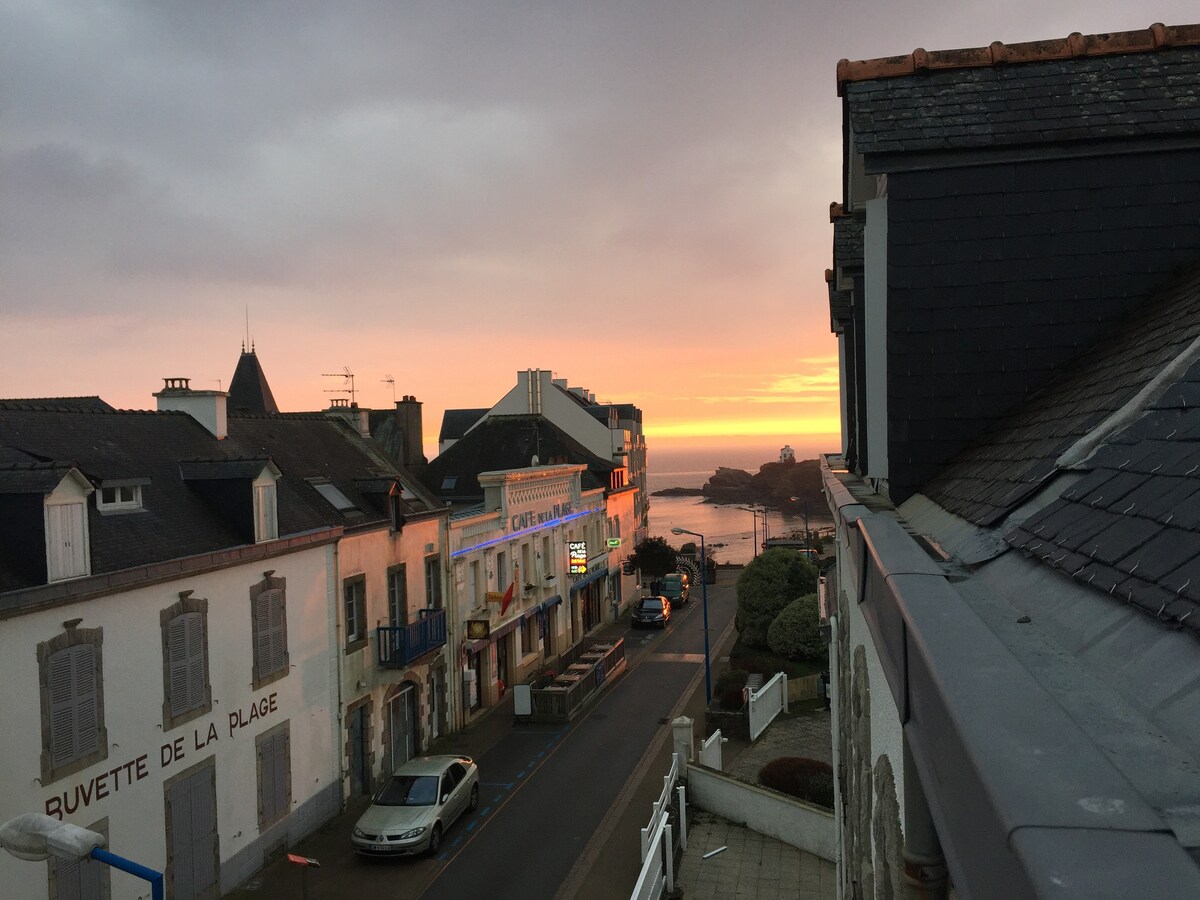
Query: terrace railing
[398, 646]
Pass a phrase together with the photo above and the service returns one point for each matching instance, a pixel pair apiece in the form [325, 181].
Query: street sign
[614, 542]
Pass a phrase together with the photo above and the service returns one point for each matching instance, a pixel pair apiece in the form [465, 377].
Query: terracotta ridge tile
[1074, 46]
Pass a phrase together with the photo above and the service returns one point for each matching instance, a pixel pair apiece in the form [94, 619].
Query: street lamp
[756, 513]
[35, 836]
[704, 599]
[807, 542]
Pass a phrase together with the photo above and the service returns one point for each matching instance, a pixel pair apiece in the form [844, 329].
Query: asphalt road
[548, 790]
[555, 813]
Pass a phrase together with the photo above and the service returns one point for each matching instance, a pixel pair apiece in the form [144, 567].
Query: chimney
[408, 420]
[206, 407]
[358, 419]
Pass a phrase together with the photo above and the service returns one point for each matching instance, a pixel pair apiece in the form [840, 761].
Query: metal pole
[754, 512]
[704, 596]
[119, 862]
[806, 540]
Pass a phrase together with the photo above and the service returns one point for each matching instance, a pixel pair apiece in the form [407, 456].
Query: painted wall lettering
[96, 788]
[257, 710]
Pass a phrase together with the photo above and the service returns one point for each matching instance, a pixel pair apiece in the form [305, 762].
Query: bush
[769, 583]
[800, 777]
[796, 631]
[734, 677]
[732, 697]
[766, 663]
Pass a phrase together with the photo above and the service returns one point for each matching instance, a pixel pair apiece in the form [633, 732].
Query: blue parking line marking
[507, 785]
[472, 824]
[541, 753]
[483, 812]
[521, 774]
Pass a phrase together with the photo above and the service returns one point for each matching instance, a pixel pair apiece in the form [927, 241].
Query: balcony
[400, 646]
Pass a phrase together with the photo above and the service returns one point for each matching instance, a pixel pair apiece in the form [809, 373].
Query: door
[67, 542]
[402, 726]
[502, 663]
[360, 773]
[435, 703]
[192, 836]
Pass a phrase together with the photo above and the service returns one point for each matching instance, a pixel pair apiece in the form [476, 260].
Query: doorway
[358, 738]
[402, 727]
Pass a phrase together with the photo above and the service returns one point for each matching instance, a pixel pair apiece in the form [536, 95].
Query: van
[675, 588]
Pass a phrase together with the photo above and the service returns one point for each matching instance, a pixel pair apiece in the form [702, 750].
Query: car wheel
[474, 797]
[435, 839]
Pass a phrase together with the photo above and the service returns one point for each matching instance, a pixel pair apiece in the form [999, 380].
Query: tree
[796, 631]
[768, 584]
[654, 556]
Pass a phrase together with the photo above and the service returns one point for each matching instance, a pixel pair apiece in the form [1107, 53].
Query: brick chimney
[408, 420]
[206, 407]
[352, 415]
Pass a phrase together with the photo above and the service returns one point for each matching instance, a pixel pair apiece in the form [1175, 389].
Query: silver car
[416, 805]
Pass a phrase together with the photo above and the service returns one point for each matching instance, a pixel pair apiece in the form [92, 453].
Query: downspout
[836, 746]
[333, 564]
[924, 865]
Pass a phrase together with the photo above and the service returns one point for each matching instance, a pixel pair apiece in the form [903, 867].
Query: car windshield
[409, 790]
[652, 603]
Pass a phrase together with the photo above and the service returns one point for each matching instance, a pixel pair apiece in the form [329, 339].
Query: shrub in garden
[801, 777]
[734, 677]
[796, 631]
[769, 583]
[731, 696]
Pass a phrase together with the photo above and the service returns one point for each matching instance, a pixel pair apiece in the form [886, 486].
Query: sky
[433, 196]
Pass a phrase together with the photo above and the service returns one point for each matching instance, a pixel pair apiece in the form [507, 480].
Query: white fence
[710, 751]
[657, 876]
[766, 703]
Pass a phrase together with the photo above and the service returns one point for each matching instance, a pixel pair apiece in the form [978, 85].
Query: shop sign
[478, 629]
[577, 557]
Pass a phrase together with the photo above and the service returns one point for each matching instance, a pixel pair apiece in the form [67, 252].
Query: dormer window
[119, 497]
[266, 515]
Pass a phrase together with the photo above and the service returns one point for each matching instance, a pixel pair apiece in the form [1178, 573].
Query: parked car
[651, 611]
[675, 588]
[415, 806]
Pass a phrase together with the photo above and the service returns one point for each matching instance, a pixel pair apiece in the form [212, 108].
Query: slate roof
[312, 448]
[455, 422]
[1125, 85]
[95, 404]
[1131, 526]
[1009, 463]
[175, 521]
[509, 442]
[848, 240]
[248, 389]
[32, 478]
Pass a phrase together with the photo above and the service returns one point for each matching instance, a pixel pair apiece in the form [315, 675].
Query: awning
[498, 631]
[588, 579]
[549, 603]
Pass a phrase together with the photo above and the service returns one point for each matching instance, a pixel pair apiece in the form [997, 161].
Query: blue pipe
[138, 871]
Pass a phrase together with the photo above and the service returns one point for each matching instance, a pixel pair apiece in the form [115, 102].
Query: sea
[730, 529]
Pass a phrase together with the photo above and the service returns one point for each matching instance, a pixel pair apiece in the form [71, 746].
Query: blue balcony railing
[400, 645]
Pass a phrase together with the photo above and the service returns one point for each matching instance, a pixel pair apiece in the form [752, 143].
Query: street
[545, 790]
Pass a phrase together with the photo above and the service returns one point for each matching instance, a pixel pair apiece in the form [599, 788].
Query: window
[474, 586]
[268, 625]
[273, 752]
[397, 595]
[119, 497]
[433, 582]
[81, 879]
[186, 689]
[529, 635]
[528, 576]
[266, 523]
[355, 593]
[71, 673]
[503, 573]
[547, 559]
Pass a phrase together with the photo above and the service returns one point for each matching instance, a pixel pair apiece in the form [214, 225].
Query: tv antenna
[388, 379]
[349, 379]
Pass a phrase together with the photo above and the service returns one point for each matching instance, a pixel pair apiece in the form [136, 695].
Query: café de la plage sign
[577, 557]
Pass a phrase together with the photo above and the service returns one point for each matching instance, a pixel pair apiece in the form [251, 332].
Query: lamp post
[704, 603]
[756, 513]
[35, 836]
[807, 541]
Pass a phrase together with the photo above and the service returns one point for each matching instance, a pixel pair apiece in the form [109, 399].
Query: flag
[508, 595]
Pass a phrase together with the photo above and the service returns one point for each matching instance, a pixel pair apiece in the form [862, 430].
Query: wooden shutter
[274, 786]
[74, 723]
[79, 879]
[185, 647]
[193, 816]
[270, 637]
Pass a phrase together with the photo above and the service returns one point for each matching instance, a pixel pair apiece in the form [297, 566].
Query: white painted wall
[133, 704]
[558, 408]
